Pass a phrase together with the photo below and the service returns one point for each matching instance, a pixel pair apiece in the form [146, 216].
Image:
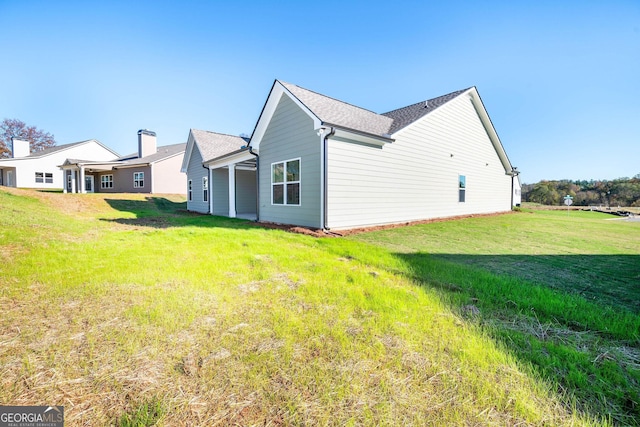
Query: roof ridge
[330, 97]
[456, 92]
[218, 133]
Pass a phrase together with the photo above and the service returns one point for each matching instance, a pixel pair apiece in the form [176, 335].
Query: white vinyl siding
[416, 176]
[290, 135]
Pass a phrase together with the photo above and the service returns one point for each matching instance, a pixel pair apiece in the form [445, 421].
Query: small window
[106, 181]
[462, 188]
[285, 183]
[48, 178]
[190, 190]
[138, 179]
[205, 189]
[39, 177]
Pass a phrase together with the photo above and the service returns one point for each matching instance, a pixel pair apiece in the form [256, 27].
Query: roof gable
[352, 120]
[57, 148]
[212, 145]
[403, 117]
[333, 112]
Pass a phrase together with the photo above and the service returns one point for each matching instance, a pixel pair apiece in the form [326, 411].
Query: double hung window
[462, 188]
[205, 189]
[285, 183]
[106, 181]
[138, 179]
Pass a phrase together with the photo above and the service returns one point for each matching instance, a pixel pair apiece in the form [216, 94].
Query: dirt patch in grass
[316, 232]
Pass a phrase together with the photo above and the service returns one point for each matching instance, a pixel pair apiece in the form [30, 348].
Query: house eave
[238, 156]
[350, 135]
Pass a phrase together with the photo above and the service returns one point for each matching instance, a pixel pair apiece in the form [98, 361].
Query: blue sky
[560, 79]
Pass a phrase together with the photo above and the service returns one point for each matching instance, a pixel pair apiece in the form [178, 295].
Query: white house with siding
[322, 163]
[40, 169]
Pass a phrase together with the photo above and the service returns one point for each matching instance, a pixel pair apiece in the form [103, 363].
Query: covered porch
[81, 176]
[8, 176]
[233, 185]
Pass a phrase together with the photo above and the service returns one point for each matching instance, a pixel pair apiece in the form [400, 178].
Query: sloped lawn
[560, 290]
[128, 310]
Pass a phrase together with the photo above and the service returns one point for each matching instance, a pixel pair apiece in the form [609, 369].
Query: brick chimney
[20, 148]
[146, 143]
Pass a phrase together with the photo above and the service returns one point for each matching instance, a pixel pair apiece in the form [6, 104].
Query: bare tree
[14, 128]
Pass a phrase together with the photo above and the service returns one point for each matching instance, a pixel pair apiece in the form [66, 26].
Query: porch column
[232, 191]
[64, 181]
[81, 186]
[73, 181]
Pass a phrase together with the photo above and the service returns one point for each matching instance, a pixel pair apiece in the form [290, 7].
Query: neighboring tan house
[40, 169]
[327, 164]
[152, 170]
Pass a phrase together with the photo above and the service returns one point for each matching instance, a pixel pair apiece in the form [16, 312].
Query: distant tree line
[623, 192]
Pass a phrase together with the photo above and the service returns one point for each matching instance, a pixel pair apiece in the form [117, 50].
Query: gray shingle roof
[56, 148]
[340, 114]
[403, 117]
[161, 153]
[213, 145]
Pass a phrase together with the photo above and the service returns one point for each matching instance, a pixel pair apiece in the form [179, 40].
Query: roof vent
[426, 104]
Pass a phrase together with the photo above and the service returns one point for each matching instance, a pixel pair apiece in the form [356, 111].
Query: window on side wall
[138, 179]
[106, 181]
[462, 188]
[48, 178]
[190, 190]
[39, 177]
[205, 189]
[285, 183]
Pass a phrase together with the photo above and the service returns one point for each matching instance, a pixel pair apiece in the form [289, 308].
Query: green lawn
[128, 310]
[560, 290]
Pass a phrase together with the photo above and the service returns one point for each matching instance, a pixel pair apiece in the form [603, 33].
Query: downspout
[325, 180]
[514, 173]
[257, 182]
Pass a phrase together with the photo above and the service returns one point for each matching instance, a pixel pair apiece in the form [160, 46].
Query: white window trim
[41, 177]
[48, 178]
[136, 181]
[108, 181]
[462, 189]
[284, 183]
[205, 189]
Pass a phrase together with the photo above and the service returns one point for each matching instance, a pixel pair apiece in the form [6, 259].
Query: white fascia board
[187, 152]
[348, 136]
[491, 131]
[277, 92]
[135, 165]
[232, 159]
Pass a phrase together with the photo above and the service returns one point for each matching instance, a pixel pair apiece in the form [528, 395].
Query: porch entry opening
[88, 183]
